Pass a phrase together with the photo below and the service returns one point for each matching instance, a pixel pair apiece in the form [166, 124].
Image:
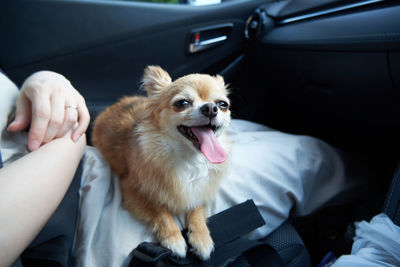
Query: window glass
[189, 2]
[158, 1]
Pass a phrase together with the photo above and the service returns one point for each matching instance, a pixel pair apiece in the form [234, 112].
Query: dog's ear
[220, 80]
[155, 79]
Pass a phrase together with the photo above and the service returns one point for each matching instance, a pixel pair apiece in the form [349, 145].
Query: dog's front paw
[177, 244]
[202, 244]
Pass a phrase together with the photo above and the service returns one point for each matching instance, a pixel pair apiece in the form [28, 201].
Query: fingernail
[35, 144]
[76, 137]
[10, 126]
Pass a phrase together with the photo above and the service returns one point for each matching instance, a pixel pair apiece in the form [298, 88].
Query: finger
[83, 119]
[41, 110]
[56, 121]
[22, 115]
[70, 119]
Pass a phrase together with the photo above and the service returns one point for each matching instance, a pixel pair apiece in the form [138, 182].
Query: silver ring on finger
[71, 106]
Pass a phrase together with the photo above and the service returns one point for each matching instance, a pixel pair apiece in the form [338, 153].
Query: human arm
[45, 102]
[31, 188]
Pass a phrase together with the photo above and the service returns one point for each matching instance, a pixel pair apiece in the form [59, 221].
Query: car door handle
[208, 37]
[202, 45]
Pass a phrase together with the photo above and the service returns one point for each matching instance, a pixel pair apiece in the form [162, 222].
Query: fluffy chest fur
[173, 174]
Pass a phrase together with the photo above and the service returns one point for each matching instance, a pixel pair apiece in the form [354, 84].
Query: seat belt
[226, 229]
[392, 201]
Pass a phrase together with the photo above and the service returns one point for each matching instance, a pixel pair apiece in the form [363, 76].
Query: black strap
[226, 229]
[263, 255]
[148, 254]
[392, 202]
[1, 161]
[234, 222]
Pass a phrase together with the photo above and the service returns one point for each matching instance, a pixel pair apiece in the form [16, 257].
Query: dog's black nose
[209, 110]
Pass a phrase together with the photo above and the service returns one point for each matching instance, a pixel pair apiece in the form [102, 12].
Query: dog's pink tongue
[209, 145]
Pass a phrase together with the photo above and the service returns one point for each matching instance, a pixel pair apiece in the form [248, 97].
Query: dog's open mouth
[187, 132]
[203, 137]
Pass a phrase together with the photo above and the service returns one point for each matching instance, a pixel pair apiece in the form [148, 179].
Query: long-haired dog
[170, 152]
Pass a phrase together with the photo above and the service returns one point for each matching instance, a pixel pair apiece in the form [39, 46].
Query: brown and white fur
[162, 172]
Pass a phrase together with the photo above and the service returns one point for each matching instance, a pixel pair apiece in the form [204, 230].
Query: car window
[158, 1]
[188, 2]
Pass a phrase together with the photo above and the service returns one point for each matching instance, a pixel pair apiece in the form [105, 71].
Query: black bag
[231, 249]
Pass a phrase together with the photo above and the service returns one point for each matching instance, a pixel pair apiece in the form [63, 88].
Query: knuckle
[81, 101]
[36, 133]
[58, 90]
[62, 76]
[63, 79]
[56, 122]
[71, 118]
[35, 88]
[88, 118]
[42, 113]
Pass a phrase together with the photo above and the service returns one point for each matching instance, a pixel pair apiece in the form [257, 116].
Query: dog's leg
[169, 233]
[160, 220]
[199, 235]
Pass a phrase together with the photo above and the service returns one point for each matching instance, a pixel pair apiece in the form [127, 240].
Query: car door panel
[363, 30]
[394, 59]
[103, 46]
[332, 76]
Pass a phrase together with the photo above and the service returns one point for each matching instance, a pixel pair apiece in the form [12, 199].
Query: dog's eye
[222, 105]
[183, 103]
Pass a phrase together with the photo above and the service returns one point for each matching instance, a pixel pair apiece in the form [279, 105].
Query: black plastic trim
[328, 11]
[375, 29]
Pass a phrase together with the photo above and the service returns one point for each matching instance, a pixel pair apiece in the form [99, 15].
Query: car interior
[328, 69]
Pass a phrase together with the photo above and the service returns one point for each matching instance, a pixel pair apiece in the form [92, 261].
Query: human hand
[52, 106]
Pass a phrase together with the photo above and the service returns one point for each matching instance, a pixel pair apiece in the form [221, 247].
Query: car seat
[392, 203]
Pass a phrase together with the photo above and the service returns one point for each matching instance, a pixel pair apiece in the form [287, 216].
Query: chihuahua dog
[170, 152]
